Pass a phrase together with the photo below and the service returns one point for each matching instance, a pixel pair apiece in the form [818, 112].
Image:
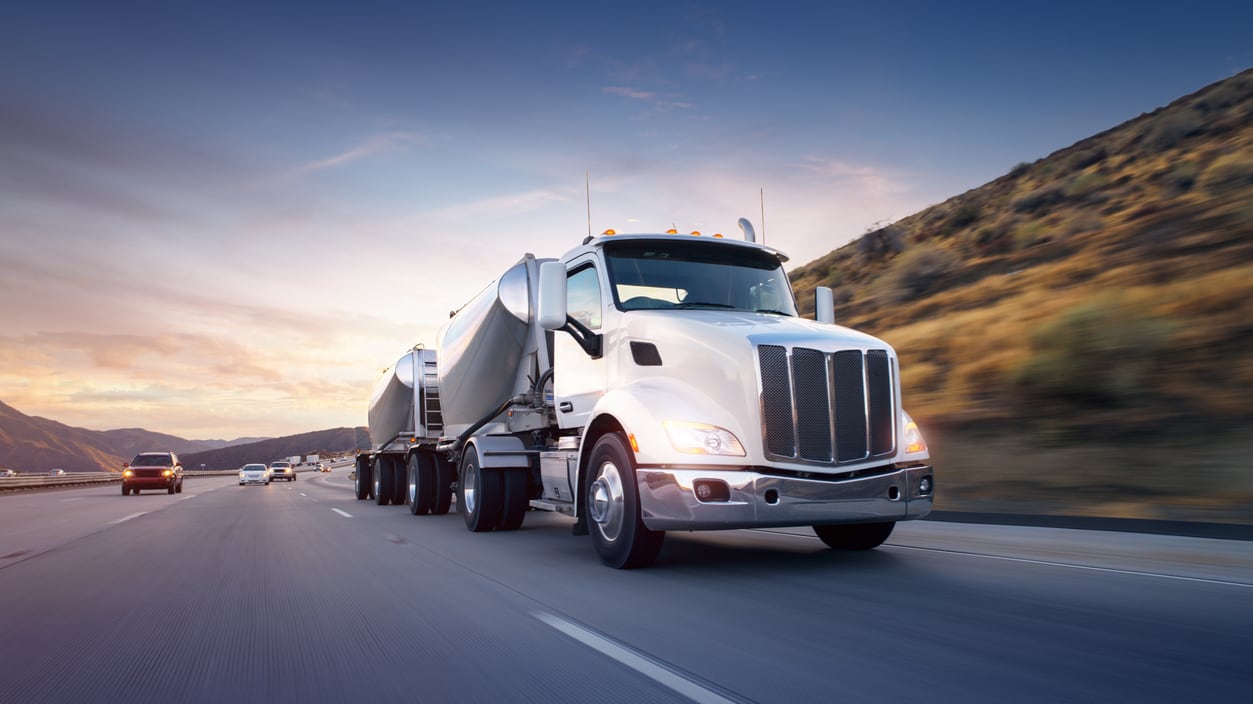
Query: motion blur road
[298, 593]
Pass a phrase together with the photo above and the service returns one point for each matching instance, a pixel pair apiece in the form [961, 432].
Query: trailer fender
[501, 452]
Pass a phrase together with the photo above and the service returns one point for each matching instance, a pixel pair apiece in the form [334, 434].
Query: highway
[299, 593]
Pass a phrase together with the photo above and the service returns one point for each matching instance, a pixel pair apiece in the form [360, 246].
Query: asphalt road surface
[298, 593]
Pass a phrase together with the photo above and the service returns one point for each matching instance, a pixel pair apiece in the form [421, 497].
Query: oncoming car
[153, 470]
[254, 474]
[282, 470]
[324, 467]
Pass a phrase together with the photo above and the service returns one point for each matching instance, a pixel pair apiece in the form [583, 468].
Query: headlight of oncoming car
[702, 439]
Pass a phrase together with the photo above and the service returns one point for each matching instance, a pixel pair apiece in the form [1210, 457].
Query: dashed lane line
[345, 514]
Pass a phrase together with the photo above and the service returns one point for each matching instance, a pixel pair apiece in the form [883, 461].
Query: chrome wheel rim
[607, 505]
[413, 487]
[468, 484]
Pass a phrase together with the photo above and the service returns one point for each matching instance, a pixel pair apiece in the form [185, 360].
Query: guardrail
[43, 481]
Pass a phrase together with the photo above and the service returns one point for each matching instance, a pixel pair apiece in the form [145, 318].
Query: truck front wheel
[613, 508]
[855, 536]
[478, 493]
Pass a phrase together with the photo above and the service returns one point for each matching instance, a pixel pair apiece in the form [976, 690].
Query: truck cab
[705, 402]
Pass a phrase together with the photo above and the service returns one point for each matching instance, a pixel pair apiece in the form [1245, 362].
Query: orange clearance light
[672, 231]
[696, 232]
[718, 236]
[634, 445]
[609, 232]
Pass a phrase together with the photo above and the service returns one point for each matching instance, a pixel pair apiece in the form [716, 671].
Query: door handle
[565, 407]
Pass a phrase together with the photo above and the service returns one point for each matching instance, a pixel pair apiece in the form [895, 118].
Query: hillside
[320, 442]
[32, 444]
[1106, 287]
[1077, 335]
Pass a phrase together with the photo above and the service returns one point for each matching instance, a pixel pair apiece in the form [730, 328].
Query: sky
[227, 219]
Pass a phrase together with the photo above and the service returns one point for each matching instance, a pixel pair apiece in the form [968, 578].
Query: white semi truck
[648, 383]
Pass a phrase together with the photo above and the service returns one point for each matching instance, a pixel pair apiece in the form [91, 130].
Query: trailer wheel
[383, 480]
[421, 485]
[478, 493]
[361, 482]
[855, 536]
[613, 508]
[445, 475]
[516, 500]
[400, 481]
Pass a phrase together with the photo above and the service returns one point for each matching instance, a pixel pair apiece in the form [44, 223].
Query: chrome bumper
[668, 499]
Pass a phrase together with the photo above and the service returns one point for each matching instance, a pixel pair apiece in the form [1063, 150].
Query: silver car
[254, 474]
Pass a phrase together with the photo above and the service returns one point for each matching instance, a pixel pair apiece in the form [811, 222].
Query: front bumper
[149, 482]
[758, 500]
[253, 480]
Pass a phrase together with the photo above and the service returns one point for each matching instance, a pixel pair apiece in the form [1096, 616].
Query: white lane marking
[303, 494]
[76, 498]
[1049, 563]
[345, 514]
[189, 496]
[124, 519]
[634, 660]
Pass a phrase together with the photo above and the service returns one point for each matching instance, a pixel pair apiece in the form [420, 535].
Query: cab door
[578, 380]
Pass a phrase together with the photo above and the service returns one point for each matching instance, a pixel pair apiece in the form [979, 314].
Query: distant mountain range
[35, 444]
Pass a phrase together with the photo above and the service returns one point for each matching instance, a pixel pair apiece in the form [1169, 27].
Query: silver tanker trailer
[645, 383]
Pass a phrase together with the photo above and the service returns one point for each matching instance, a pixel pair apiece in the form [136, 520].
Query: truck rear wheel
[855, 536]
[421, 485]
[613, 508]
[361, 482]
[383, 481]
[478, 493]
[445, 475]
[400, 481]
[515, 499]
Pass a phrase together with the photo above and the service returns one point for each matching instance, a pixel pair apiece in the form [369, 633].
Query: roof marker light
[718, 236]
[696, 232]
[609, 232]
[672, 231]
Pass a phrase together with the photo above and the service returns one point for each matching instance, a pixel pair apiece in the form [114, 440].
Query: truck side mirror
[552, 295]
[824, 305]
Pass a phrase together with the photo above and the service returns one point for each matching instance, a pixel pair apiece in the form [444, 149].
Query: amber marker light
[635, 447]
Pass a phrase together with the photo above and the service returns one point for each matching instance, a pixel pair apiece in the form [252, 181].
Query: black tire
[169, 489]
[383, 480]
[126, 490]
[515, 499]
[855, 536]
[445, 475]
[478, 493]
[611, 500]
[421, 486]
[400, 481]
[361, 485]
[179, 489]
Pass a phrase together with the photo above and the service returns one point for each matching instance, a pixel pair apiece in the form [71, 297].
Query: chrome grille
[826, 408]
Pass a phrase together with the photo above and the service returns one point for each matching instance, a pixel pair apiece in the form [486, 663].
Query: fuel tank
[486, 348]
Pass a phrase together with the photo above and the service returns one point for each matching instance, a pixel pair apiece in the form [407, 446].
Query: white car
[254, 474]
[283, 470]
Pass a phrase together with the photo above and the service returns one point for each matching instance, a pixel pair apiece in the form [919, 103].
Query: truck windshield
[664, 275]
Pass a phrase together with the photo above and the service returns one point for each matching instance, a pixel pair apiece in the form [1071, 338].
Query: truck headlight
[128, 473]
[914, 443]
[702, 439]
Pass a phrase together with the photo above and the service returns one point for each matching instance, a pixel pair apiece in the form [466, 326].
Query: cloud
[377, 145]
[666, 103]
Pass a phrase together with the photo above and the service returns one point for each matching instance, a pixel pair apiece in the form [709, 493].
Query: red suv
[153, 470]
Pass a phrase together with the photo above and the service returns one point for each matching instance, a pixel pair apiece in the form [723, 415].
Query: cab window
[583, 297]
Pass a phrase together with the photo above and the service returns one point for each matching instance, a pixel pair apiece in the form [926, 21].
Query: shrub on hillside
[1172, 127]
[1098, 354]
[1040, 200]
[1229, 173]
[916, 272]
[881, 243]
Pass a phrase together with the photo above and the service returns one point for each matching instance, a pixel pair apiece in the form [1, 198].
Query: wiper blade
[703, 304]
[773, 311]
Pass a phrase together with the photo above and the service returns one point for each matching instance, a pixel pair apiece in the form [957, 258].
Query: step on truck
[648, 383]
